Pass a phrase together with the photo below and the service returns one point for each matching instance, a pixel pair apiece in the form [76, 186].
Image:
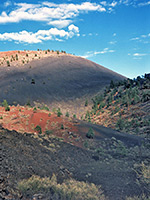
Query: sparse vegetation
[118, 107]
[69, 189]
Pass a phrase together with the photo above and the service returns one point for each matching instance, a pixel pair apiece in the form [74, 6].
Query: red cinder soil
[25, 119]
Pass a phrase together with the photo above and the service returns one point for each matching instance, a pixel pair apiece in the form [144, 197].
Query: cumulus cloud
[41, 35]
[51, 13]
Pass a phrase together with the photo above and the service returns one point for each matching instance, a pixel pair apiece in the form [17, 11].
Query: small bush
[7, 108]
[86, 102]
[28, 103]
[68, 190]
[44, 107]
[48, 132]
[34, 109]
[5, 105]
[90, 133]
[74, 116]
[67, 114]
[8, 63]
[38, 129]
[32, 81]
[59, 113]
[62, 126]
[120, 124]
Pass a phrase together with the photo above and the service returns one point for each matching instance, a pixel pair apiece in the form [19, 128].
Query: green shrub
[62, 126]
[38, 129]
[5, 105]
[86, 102]
[59, 113]
[34, 109]
[7, 108]
[32, 81]
[48, 132]
[44, 107]
[90, 133]
[74, 116]
[67, 114]
[28, 103]
[120, 124]
[8, 63]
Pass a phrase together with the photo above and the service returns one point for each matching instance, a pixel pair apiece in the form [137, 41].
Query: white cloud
[60, 23]
[144, 3]
[113, 4]
[94, 53]
[104, 3]
[58, 15]
[112, 42]
[7, 3]
[136, 38]
[51, 13]
[41, 35]
[139, 54]
[142, 38]
[74, 28]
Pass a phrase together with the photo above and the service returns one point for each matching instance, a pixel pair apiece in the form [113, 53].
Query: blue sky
[113, 33]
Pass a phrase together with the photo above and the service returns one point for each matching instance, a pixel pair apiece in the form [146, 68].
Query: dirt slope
[40, 156]
[59, 80]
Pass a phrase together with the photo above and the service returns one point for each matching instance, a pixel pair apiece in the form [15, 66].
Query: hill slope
[124, 106]
[58, 80]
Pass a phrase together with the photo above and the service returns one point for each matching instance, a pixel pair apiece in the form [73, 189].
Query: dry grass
[69, 189]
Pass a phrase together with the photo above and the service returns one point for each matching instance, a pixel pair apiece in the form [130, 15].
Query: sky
[112, 33]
